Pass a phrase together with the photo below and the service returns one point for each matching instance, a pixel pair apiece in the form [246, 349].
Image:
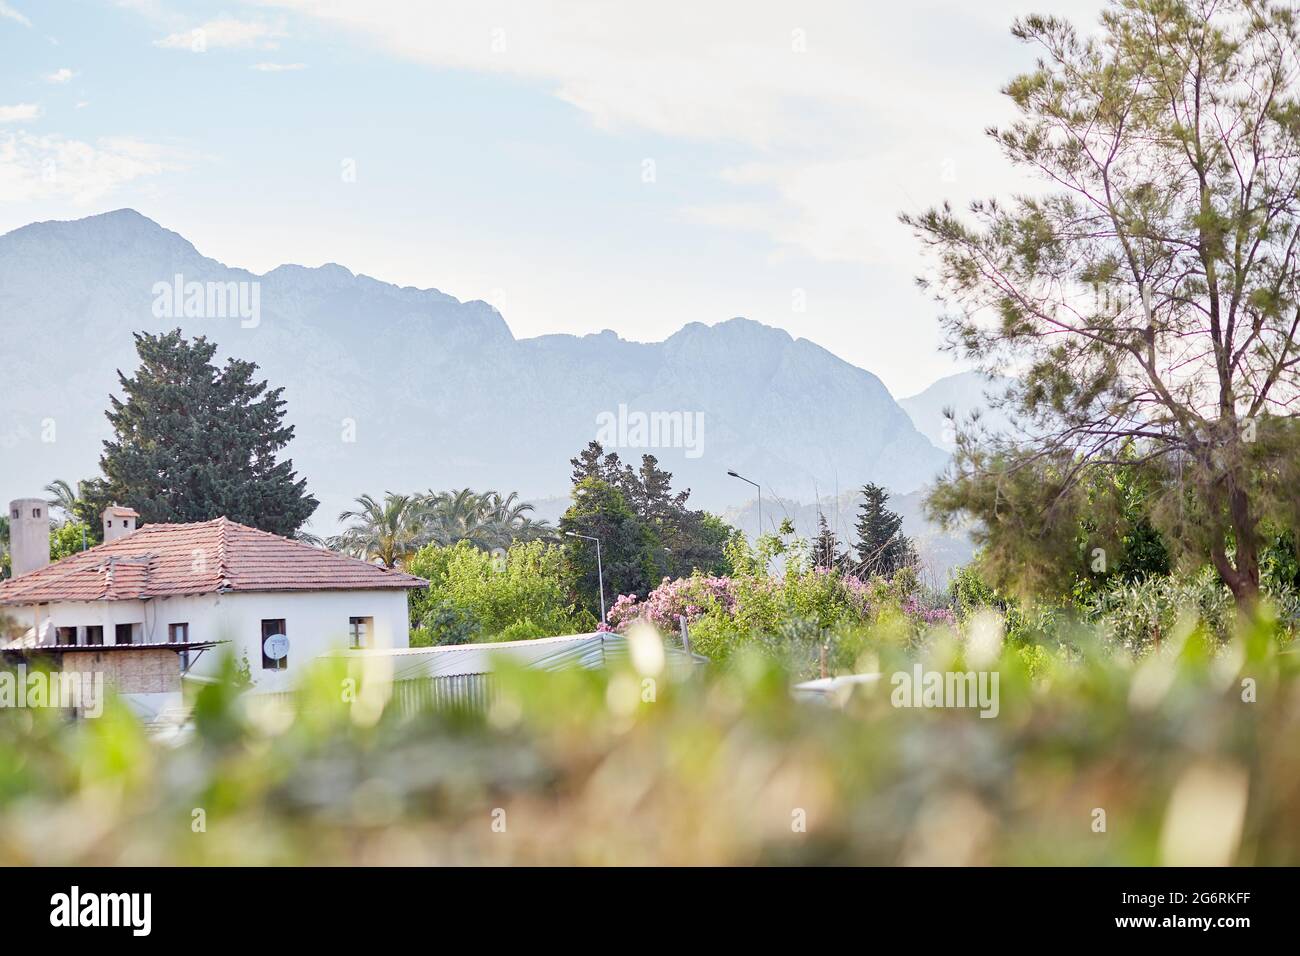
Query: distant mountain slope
[405, 389]
[964, 392]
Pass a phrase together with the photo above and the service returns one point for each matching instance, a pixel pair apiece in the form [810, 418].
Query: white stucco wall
[315, 622]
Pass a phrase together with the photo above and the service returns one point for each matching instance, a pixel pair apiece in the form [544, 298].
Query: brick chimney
[118, 522]
[29, 535]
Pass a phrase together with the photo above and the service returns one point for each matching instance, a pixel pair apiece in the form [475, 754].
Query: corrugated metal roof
[596, 650]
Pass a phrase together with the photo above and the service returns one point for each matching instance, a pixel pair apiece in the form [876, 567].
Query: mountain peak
[120, 227]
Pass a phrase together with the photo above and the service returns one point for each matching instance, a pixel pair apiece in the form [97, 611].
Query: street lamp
[600, 571]
[760, 498]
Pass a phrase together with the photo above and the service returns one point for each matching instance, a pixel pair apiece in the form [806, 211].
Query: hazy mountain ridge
[965, 393]
[437, 392]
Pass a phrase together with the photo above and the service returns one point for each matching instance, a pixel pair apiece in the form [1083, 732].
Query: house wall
[316, 622]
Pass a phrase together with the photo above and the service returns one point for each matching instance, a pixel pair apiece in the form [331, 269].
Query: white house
[278, 603]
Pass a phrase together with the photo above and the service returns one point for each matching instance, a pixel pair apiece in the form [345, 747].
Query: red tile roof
[203, 558]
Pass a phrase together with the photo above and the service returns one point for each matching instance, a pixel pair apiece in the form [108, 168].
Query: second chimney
[118, 522]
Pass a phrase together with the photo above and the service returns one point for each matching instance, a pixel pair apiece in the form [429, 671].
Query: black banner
[337, 906]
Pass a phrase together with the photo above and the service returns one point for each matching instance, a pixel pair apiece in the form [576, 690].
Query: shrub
[480, 595]
[1137, 617]
[796, 617]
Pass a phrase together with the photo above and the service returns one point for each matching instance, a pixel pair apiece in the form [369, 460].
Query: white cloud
[9, 13]
[45, 167]
[59, 76]
[724, 70]
[849, 112]
[278, 67]
[224, 33]
[19, 112]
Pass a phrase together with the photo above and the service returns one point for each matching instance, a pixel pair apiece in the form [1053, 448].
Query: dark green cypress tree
[882, 548]
[194, 442]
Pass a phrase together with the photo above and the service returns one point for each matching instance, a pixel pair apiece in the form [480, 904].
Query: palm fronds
[391, 530]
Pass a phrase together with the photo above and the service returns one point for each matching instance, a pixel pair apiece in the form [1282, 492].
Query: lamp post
[600, 571]
[760, 498]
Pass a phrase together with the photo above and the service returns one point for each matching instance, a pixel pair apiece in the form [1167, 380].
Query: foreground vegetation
[1095, 757]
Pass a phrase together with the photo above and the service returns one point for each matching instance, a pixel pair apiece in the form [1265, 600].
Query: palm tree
[306, 537]
[63, 498]
[458, 515]
[486, 520]
[512, 520]
[392, 530]
[387, 532]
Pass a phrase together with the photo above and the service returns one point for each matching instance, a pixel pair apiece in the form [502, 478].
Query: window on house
[95, 634]
[269, 629]
[124, 633]
[178, 633]
[36, 512]
[65, 635]
[359, 631]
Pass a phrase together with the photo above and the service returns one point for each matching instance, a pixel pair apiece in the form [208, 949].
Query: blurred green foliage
[1188, 754]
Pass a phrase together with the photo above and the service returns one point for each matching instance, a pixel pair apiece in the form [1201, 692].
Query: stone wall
[142, 670]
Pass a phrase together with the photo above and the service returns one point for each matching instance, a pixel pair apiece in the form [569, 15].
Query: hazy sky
[582, 166]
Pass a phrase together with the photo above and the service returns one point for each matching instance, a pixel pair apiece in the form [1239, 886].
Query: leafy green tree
[682, 540]
[194, 442]
[68, 538]
[881, 546]
[627, 545]
[1116, 540]
[1149, 296]
[475, 595]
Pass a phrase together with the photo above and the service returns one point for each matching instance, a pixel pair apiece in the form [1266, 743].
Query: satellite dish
[276, 647]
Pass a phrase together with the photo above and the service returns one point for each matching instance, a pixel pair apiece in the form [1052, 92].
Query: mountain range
[406, 389]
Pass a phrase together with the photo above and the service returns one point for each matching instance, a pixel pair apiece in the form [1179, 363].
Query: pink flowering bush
[807, 616]
[724, 612]
[933, 616]
[692, 597]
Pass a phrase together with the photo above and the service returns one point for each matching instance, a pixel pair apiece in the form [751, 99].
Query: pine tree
[1146, 295]
[194, 442]
[826, 547]
[677, 539]
[882, 548]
